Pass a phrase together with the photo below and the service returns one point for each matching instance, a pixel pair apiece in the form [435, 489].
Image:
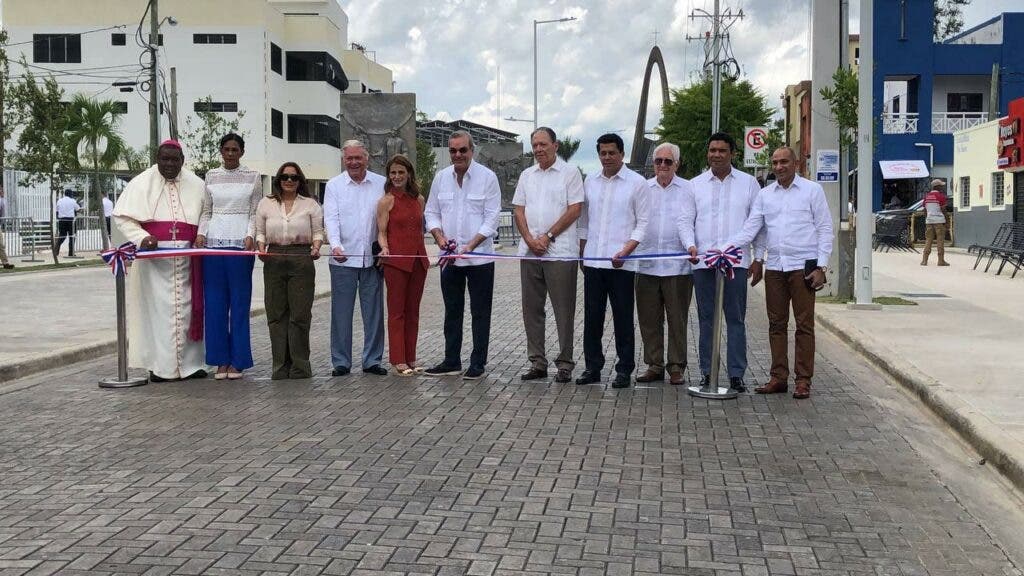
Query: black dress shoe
[737, 384]
[341, 371]
[651, 376]
[197, 375]
[155, 378]
[563, 376]
[534, 374]
[376, 369]
[621, 381]
[588, 377]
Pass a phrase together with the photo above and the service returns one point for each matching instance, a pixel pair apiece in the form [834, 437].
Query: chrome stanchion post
[122, 380]
[712, 390]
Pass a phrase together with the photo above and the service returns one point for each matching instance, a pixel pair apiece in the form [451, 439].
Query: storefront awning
[896, 169]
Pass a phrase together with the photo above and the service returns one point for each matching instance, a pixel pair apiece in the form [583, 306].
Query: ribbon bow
[724, 260]
[118, 258]
[447, 254]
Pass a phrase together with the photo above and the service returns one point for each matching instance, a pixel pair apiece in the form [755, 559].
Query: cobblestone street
[370, 475]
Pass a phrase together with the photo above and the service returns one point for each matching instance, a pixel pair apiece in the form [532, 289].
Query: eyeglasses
[462, 150]
[288, 177]
[665, 161]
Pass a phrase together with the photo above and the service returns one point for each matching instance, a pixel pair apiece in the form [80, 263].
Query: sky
[591, 70]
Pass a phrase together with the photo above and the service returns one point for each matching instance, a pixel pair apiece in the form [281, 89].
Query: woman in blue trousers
[227, 223]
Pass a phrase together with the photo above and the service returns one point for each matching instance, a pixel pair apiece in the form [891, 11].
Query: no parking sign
[755, 139]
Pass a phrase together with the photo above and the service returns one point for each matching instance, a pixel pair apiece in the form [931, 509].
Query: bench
[893, 233]
[1012, 252]
[1002, 246]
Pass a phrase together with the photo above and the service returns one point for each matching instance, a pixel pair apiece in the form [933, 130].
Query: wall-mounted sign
[1011, 138]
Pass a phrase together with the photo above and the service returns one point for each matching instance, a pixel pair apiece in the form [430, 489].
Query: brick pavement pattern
[392, 475]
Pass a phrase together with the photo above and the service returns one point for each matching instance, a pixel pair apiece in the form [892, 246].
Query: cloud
[590, 70]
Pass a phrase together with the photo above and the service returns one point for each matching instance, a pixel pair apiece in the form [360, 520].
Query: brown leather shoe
[772, 387]
[802, 391]
[534, 374]
[676, 378]
[650, 376]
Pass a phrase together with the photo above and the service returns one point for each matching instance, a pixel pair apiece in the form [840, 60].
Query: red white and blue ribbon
[119, 258]
[724, 260]
[447, 254]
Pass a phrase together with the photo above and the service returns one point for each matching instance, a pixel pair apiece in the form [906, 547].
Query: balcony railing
[899, 123]
[949, 122]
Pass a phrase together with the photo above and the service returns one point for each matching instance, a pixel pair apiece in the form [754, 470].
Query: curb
[979, 433]
[32, 366]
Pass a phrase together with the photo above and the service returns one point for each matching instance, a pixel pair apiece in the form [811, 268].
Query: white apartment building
[285, 63]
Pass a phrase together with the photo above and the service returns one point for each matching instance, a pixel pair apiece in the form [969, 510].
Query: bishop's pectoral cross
[174, 231]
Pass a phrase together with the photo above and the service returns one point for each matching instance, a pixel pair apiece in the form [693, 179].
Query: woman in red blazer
[404, 258]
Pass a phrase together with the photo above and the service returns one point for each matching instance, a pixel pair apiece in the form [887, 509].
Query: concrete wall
[975, 157]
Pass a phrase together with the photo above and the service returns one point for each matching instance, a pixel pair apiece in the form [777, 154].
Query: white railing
[949, 122]
[900, 123]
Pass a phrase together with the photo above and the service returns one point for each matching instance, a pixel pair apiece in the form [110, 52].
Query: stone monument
[386, 123]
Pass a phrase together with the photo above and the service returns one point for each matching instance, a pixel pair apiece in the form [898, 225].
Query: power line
[69, 34]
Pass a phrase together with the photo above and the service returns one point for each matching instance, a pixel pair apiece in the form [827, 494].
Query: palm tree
[568, 146]
[95, 143]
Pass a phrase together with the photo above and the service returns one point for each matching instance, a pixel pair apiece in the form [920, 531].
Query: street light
[511, 119]
[535, 23]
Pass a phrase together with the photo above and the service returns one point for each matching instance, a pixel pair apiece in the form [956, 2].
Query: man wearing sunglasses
[664, 287]
[350, 220]
[462, 216]
[794, 213]
[712, 213]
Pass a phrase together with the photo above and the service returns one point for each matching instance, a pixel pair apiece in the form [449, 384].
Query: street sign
[827, 165]
[755, 139]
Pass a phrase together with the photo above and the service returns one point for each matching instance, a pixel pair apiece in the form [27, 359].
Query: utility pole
[865, 163]
[713, 390]
[843, 277]
[154, 86]
[993, 94]
[173, 122]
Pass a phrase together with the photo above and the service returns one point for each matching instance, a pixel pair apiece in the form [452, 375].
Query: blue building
[926, 90]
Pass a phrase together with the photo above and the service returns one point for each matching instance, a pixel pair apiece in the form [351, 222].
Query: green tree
[136, 160]
[95, 144]
[567, 147]
[9, 111]
[949, 17]
[775, 139]
[426, 165]
[42, 147]
[203, 138]
[842, 103]
[686, 119]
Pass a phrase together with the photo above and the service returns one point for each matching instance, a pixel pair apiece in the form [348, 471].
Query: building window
[276, 123]
[206, 106]
[121, 107]
[314, 129]
[965, 191]
[118, 39]
[998, 192]
[57, 48]
[275, 57]
[214, 39]
[315, 66]
[960, 102]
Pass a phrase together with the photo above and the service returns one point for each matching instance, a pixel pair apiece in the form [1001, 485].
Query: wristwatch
[550, 236]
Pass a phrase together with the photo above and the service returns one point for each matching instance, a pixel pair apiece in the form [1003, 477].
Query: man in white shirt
[664, 287]
[794, 213]
[350, 220]
[612, 225]
[3, 249]
[67, 207]
[716, 210]
[547, 203]
[463, 207]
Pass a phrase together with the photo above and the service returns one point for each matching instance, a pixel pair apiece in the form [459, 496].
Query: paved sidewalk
[393, 475]
[959, 349]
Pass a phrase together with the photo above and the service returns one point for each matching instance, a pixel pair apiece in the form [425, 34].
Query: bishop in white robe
[160, 208]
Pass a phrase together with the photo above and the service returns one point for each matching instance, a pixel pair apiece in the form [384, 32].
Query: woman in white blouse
[227, 223]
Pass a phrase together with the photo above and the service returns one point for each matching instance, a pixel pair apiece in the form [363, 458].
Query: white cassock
[159, 297]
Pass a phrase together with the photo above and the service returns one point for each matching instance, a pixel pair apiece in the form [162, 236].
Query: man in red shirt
[935, 222]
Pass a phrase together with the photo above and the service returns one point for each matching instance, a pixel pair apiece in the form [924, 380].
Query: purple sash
[166, 231]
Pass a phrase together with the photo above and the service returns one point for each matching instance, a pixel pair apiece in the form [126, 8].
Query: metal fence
[19, 236]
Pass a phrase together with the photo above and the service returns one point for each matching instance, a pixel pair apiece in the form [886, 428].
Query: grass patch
[91, 263]
[883, 300]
